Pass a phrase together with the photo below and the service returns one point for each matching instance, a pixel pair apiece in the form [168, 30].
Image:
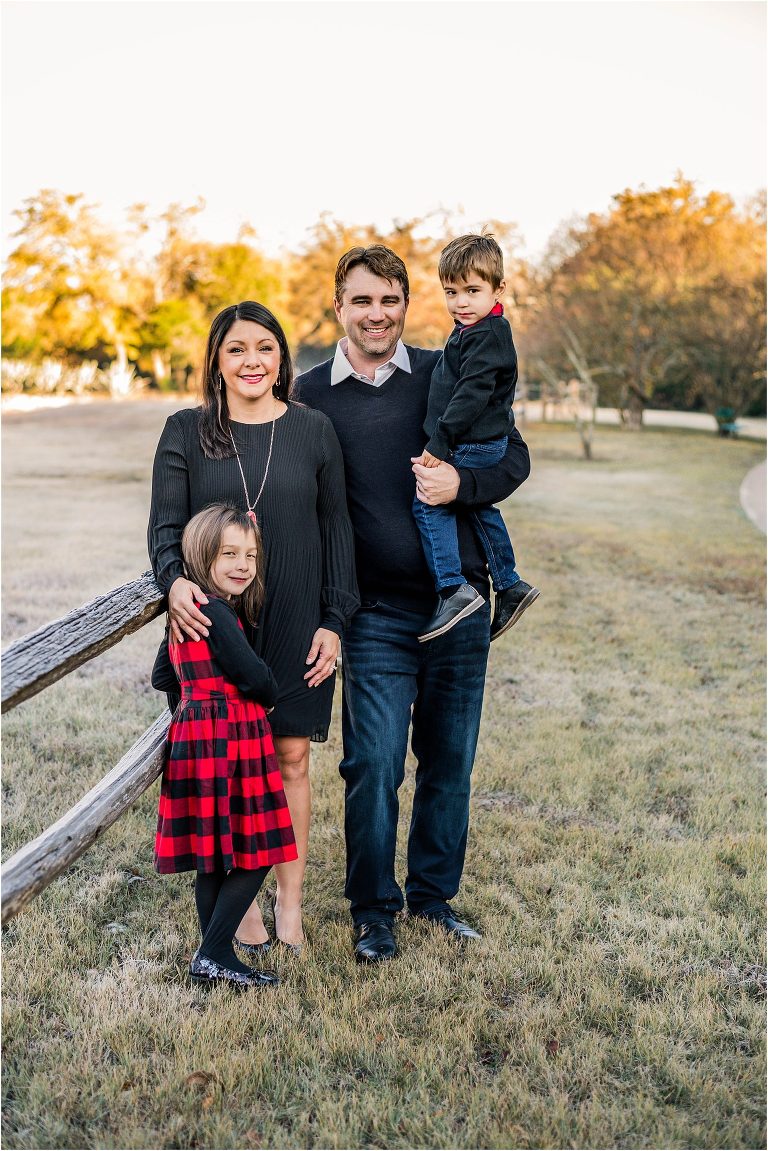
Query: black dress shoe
[445, 918]
[510, 605]
[375, 942]
[451, 610]
[254, 951]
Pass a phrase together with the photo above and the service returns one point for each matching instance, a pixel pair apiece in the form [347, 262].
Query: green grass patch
[616, 863]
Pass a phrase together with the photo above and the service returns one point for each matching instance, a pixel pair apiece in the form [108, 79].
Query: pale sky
[529, 112]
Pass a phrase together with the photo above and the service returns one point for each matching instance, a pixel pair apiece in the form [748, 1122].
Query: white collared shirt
[341, 369]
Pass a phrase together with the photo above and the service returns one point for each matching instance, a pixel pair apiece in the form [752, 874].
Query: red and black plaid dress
[222, 803]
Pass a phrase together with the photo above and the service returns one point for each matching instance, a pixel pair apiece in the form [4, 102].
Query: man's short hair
[378, 260]
[468, 254]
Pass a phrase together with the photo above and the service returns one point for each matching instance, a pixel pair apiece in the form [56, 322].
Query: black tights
[222, 900]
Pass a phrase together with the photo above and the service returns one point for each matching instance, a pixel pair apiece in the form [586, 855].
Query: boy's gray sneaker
[510, 605]
[450, 610]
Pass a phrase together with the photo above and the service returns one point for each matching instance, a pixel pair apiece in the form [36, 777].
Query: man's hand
[183, 615]
[322, 655]
[435, 485]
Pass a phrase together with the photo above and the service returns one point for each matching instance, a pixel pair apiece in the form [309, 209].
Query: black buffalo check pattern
[222, 803]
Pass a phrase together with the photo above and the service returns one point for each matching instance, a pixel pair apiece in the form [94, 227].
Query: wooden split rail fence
[34, 662]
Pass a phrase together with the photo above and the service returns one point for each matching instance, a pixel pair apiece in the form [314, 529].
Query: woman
[249, 445]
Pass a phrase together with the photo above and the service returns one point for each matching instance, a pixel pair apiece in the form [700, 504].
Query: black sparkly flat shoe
[207, 973]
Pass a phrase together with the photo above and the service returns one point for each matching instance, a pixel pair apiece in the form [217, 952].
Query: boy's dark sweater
[380, 429]
[473, 386]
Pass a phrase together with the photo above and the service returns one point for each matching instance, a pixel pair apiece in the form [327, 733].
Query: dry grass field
[616, 863]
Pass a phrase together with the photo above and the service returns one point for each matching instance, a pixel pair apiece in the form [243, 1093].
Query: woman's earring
[221, 381]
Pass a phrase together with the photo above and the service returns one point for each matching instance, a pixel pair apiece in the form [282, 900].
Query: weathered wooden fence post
[39, 659]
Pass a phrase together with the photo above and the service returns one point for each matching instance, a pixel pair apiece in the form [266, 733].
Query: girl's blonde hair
[200, 546]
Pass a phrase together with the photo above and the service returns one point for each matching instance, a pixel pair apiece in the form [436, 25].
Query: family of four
[284, 518]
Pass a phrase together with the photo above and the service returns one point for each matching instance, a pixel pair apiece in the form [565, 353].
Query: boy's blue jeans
[437, 526]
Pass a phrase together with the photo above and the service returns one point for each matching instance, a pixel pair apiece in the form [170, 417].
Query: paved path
[753, 496]
[749, 429]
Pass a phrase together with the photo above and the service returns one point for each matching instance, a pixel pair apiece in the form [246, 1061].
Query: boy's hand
[427, 460]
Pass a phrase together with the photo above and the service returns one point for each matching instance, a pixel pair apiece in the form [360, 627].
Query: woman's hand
[183, 615]
[323, 655]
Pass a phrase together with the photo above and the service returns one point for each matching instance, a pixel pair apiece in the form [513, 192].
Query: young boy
[469, 417]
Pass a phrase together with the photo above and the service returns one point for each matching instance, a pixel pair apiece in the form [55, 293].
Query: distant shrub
[120, 381]
[51, 377]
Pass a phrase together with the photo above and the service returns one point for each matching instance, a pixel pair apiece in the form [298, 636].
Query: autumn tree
[239, 271]
[666, 288]
[69, 287]
[189, 280]
[723, 316]
[173, 322]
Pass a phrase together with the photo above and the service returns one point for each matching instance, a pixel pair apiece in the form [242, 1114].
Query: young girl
[223, 811]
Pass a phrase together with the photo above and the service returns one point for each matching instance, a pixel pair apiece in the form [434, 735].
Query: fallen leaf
[199, 1079]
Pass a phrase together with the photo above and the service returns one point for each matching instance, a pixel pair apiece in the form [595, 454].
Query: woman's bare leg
[293, 757]
[252, 929]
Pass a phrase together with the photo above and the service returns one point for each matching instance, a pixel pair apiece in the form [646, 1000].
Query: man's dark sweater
[380, 429]
[473, 386]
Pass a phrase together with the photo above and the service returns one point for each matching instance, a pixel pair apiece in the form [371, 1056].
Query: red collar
[496, 310]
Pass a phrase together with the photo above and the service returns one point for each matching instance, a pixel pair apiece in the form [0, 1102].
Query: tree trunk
[161, 368]
[585, 431]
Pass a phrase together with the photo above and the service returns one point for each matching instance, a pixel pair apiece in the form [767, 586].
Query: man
[375, 392]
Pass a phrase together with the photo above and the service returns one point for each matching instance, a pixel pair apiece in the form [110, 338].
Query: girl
[223, 811]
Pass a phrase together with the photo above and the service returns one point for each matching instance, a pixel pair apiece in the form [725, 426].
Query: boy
[469, 418]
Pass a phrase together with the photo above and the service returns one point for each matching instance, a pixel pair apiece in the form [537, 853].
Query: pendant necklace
[250, 507]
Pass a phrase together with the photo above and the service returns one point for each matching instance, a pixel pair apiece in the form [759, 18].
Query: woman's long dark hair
[214, 417]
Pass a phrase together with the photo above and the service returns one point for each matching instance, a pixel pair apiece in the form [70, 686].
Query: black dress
[306, 532]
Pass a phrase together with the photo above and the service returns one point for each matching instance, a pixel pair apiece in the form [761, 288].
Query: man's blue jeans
[437, 525]
[391, 681]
